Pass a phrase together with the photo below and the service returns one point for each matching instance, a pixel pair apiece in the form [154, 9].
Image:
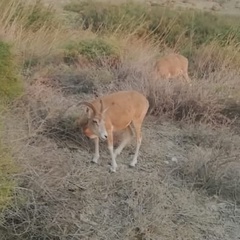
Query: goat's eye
[95, 121]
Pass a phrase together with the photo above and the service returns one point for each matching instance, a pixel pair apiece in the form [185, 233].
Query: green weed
[10, 86]
[92, 49]
[7, 184]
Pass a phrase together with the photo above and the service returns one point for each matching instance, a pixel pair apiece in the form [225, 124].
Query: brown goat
[172, 66]
[123, 110]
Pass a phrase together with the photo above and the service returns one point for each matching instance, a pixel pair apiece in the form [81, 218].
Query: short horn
[90, 106]
[101, 108]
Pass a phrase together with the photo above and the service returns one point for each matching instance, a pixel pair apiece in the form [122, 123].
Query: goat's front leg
[113, 156]
[96, 155]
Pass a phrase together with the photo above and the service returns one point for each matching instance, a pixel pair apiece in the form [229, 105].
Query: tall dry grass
[34, 30]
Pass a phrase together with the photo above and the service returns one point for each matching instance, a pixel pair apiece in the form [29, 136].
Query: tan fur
[172, 66]
[82, 123]
[123, 110]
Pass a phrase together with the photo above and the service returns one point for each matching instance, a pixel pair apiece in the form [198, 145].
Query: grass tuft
[10, 86]
[7, 183]
[93, 50]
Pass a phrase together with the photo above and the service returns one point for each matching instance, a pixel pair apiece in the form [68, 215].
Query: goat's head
[82, 123]
[95, 124]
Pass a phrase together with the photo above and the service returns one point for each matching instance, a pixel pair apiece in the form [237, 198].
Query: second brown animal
[172, 65]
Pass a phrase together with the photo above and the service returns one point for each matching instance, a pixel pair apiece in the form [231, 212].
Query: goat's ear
[88, 111]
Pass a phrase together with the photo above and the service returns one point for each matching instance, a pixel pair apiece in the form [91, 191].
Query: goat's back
[123, 107]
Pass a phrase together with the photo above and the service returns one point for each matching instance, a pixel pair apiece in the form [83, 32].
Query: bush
[81, 80]
[179, 102]
[7, 184]
[212, 162]
[92, 49]
[108, 17]
[174, 100]
[213, 57]
[10, 86]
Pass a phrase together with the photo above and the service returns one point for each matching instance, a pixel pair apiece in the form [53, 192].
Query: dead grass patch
[212, 162]
[65, 196]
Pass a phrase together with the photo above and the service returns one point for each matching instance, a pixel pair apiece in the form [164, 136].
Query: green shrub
[10, 86]
[7, 184]
[92, 49]
[108, 17]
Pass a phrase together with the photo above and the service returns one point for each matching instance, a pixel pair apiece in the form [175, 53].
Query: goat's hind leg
[127, 137]
[137, 127]
[113, 156]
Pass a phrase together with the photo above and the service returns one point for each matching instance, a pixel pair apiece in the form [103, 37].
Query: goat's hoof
[132, 165]
[94, 160]
[112, 169]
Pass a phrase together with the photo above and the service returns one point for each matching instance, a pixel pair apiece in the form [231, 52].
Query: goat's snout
[104, 136]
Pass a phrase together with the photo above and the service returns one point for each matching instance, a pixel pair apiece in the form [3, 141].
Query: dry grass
[34, 32]
[64, 196]
[185, 185]
[212, 161]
